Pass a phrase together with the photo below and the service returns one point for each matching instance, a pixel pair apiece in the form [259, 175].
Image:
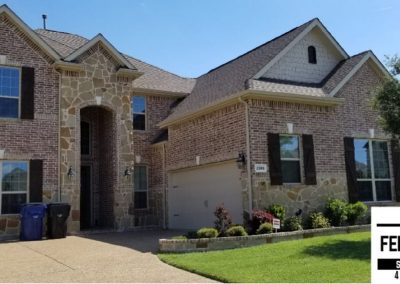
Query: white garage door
[194, 194]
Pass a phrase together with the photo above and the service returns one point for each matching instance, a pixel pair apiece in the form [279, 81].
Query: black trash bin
[57, 216]
[32, 215]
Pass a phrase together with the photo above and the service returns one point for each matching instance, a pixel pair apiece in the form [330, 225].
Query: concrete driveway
[106, 257]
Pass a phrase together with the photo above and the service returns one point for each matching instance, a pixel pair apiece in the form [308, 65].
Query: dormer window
[312, 55]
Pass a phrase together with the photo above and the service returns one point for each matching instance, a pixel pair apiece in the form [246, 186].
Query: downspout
[59, 135]
[248, 158]
[164, 187]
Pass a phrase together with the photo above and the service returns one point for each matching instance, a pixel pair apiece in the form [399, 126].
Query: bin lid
[33, 209]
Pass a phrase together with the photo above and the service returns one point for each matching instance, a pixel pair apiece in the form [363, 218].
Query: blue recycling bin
[32, 215]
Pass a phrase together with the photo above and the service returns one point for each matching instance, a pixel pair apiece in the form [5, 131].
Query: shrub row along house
[130, 145]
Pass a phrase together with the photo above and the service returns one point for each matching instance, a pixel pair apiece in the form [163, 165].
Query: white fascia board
[312, 25]
[100, 38]
[30, 33]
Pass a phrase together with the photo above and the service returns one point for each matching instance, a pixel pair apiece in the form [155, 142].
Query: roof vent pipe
[44, 17]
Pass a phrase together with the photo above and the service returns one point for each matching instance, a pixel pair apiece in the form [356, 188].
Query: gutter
[257, 94]
[248, 164]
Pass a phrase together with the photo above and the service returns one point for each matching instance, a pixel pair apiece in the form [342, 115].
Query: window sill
[10, 215]
[377, 203]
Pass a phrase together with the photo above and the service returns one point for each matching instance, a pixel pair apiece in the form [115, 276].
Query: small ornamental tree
[223, 221]
[387, 99]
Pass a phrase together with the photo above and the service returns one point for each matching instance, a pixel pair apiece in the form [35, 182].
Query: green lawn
[339, 258]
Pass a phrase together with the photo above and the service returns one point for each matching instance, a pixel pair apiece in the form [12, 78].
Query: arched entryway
[97, 170]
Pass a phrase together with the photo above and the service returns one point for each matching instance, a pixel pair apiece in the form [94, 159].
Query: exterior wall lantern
[127, 172]
[70, 173]
[241, 160]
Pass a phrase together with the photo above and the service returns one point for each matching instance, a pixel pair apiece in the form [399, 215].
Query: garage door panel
[194, 194]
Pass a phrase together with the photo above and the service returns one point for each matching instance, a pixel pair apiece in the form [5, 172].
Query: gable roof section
[154, 79]
[63, 43]
[110, 48]
[315, 23]
[230, 78]
[331, 88]
[4, 9]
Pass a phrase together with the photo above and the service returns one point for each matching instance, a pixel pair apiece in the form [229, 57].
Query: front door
[86, 197]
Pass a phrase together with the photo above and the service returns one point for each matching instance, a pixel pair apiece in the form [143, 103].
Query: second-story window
[312, 55]
[9, 92]
[139, 112]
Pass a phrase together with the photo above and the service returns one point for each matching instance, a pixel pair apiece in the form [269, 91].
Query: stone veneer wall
[78, 90]
[25, 139]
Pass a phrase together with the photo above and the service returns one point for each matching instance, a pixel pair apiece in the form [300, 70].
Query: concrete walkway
[106, 257]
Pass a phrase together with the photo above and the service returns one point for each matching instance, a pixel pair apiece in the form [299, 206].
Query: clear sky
[190, 37]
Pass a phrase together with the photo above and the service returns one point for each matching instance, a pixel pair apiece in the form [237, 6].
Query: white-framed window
[140, 186]
[13, 186]
[10, 86]
[290, 158]
[139, 112]
[372, 168]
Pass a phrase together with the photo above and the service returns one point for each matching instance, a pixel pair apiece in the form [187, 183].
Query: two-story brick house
[130, 145]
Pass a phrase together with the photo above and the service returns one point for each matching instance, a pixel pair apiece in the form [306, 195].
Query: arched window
[312, 55]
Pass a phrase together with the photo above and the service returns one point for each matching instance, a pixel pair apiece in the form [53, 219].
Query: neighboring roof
[154, 79]
[4, 9]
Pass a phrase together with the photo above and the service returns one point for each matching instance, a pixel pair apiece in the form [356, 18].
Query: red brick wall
[157, 109]
[214, 137]
[38, 138]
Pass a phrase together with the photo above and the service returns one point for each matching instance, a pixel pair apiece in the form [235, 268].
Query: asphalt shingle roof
[231, 77]
[153, 78]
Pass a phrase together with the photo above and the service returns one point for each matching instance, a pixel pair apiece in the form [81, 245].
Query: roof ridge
[259, 46]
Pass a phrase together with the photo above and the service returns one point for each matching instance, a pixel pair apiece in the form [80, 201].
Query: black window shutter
[36, 181]
[27, 92]
[274, 157]
[351, 173]
[396, 167]
[309, 160]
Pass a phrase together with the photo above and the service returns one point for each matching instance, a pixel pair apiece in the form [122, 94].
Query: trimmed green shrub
[317, 220]
[293, 224]
[207, 233]
[265, 228]
[179, 238]
[336, 211]
[278, 211]
[236, 231]
[355, 212]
